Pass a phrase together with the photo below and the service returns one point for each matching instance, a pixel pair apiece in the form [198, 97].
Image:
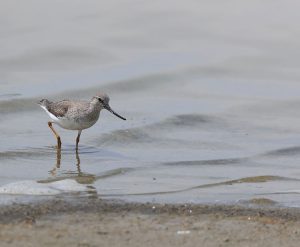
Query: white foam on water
[31, 187]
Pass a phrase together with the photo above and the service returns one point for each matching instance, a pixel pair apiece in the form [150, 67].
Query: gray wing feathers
[59, 109]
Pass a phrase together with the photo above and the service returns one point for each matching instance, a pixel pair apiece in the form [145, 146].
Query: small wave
[135, 135]
[255, 179]
[25, 154]
[206, 162]
[189, 120]
[151, 133]
[284, 152]
[17, 105]
[10, 95]
[141, 83]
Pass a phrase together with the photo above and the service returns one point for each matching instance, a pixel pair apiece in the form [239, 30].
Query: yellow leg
[56, 135]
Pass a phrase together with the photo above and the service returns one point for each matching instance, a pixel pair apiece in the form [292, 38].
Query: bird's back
[65, 108]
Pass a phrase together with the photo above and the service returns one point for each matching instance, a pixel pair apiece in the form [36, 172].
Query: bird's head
[103, 100]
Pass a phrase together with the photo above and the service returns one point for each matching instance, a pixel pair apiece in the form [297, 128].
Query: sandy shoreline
[108, 223]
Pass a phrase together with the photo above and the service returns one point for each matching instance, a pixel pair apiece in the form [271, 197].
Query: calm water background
[211, 91]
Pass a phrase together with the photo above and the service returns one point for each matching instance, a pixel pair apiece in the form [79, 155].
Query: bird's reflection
[58, 174]
[58, 162]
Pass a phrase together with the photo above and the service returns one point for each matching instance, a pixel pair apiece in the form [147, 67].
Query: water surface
[210, 91]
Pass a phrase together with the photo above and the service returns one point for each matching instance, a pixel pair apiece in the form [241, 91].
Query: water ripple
[255, 179]
[284, 152]
[206, 162]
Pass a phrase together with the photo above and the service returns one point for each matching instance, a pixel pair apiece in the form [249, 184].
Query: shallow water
[210, 92]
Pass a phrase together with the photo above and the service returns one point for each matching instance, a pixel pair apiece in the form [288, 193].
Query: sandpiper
[76, 115]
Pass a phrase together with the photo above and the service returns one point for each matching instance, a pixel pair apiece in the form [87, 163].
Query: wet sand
[109, 223]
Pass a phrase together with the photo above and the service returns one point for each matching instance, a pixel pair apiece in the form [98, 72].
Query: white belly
[74, 125]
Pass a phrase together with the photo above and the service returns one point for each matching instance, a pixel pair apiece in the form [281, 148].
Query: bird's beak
[107, 107]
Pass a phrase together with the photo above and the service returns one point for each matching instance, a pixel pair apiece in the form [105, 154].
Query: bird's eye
[100, 100]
